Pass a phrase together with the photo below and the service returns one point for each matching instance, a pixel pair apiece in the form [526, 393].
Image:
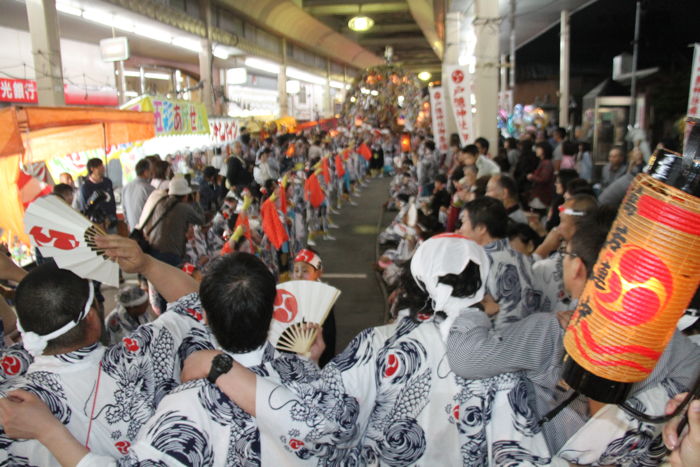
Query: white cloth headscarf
[448, 254]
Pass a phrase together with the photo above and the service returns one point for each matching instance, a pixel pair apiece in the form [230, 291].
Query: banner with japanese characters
[18, 90]
[459, 84]
[173, 117]
[694, 95]
[437, 110]
[223, 130]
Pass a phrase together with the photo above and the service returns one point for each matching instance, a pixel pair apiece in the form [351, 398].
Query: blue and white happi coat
[391, 399]
[124, 384]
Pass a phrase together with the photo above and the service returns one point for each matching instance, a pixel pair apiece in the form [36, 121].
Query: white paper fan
[297, 304]
[65, 235]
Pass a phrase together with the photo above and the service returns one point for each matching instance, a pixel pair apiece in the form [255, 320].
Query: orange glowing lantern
[644, 278]
[405, 142]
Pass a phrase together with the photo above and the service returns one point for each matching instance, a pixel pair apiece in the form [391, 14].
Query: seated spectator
[535, 345]
[509, 282]
[504, 189]
[132, 311]
[66, 192]
[440, 200]
[470, 156]
[547, 269]
[561, 180]
[614, 169]
[584, 162]
[523, 238]
[616, 190]
[209, 190]
[578, 186]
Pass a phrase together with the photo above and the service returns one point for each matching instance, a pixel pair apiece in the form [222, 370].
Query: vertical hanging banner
[694, 95]
[459, 86]
[437, 110]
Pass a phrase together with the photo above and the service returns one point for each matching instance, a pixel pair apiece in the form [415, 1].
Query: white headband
[35, 344]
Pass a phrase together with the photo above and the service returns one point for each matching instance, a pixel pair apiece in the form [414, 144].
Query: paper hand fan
[60, 232]
[297, 304]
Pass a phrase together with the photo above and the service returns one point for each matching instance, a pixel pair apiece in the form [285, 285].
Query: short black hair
[546, 148]
[63, 190]
[442, 178]
[490, 213]
[560, 131]
[590, 237]
[210, 172]
[471, 149]
[566, 175]
[579, 186]
[569, 148]
[142, 166]
[47, 299]
[93, 163]
[507, 183]
[238, 293]
[524, 232]
[482, 141]
[430, 144]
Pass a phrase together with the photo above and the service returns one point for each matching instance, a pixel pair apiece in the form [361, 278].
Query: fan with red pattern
[298, 304]
[62, 233]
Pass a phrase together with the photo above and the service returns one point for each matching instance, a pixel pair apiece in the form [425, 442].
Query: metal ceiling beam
[386, 29]
[354, 8]
[393, 41]
[424, 15]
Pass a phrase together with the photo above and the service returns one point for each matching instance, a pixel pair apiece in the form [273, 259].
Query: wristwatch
[221, 364]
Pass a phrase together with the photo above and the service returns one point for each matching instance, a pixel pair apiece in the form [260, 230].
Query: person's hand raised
[685, 452]
[125, 252]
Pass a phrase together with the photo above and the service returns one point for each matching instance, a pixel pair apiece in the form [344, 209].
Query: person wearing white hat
[132, 311]
[166, 228]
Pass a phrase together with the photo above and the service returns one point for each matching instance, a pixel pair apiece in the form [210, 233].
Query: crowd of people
[485, 259]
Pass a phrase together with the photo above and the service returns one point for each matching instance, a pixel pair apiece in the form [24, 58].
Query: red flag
[364, 151]
[339, 167]
[271, 224]
[326, 168]
[313, 191]
[283, 199]
[243, 220]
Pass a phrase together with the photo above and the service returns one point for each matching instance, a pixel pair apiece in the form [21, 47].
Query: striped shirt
[535, 345]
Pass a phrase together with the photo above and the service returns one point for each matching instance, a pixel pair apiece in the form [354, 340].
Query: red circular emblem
[438, 95]
[122, 446]
[131, 344]
[457, 76]
[285, 306]
[392, 364]
[11, 365]
[295, 443]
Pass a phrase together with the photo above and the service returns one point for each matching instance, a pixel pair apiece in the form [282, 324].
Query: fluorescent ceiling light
[262, 65]
[163, 76]
[304, 76]
[220, 52]
[131, 93]
[99, 16]
[68, 8]
[424, 75]
[133, 74]
[151, 32]
[336, 84]
[187, 43]
[236, 75]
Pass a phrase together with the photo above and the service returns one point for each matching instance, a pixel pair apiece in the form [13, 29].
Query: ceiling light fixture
[424, 75]
[360, 23]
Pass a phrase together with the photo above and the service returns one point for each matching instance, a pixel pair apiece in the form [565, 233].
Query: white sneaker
[331, 225]
[352, 203]
[356, 194]
[328, 237]
[333, 211]
[310, 242]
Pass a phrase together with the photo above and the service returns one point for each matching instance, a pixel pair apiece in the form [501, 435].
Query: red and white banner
[694, 96]
[459, 82]
[23, 91]
[437, 110]
[18, 90]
